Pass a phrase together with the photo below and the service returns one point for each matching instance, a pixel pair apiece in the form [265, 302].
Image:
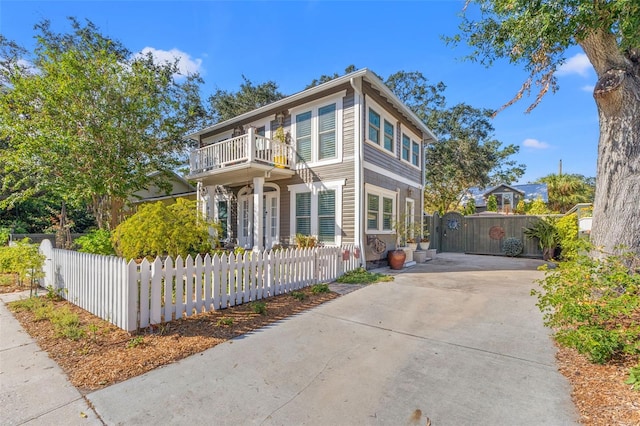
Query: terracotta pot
[396, 259]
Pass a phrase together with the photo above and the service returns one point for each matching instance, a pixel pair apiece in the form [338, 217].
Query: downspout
[358, 236]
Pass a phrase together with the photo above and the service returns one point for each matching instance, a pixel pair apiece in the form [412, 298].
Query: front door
[270, 219]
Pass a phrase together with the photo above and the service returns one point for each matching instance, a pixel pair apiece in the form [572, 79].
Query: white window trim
[313, 107]
[384, 115]
[315, 188]
[380, 192]
[412, 139]
[266, 122]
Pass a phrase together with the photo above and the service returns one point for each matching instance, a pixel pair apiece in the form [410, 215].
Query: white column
[251, 144]
[258, 208]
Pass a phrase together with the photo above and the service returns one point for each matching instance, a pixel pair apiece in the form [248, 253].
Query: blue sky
[293, 42]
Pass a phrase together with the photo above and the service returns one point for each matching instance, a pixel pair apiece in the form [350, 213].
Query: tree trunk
[616, 213]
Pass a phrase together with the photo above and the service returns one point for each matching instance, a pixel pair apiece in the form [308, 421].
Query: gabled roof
[364, 73]
[530, 192]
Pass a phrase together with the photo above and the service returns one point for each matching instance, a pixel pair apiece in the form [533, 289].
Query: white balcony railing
[248, 148]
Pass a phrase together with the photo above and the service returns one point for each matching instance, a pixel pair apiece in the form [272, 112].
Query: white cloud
[577, 64]
[535, 144]
[588, 88]
[186, 64]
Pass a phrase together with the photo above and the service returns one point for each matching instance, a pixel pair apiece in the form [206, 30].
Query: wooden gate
[453, 233]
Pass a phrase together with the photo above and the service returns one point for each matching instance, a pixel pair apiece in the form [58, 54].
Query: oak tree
[536, 35]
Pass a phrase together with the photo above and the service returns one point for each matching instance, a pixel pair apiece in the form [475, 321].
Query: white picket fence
[132, 295]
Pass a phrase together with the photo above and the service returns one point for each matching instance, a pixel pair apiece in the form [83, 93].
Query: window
[373, 208]
[327, 132]
[315, 210]
[317, 131]
[303, 213]
[223, 218]
[327, 216]
[381, 209]
[388, 136]
[415, 154]
[303, 136]
[406, 147]
[374, 126]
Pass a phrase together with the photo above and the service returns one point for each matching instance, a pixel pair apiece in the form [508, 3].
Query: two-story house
[347, 164]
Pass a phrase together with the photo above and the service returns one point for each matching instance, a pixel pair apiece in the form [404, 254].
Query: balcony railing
[248, 148]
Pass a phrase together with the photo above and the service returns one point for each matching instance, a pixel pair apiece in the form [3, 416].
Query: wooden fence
[132, 295]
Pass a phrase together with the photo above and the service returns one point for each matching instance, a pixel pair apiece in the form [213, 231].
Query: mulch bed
[108, 355]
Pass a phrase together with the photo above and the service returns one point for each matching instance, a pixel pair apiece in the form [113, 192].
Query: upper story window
[415, 154]
[388, 136]
[381, 128]
[317, 131]
[374, 126]
[410, 150]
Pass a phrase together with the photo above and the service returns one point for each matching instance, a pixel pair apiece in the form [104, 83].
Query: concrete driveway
[455, 341]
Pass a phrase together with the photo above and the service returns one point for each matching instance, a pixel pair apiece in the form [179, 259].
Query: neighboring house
[177, 187]
[349, 165]
[507, 196]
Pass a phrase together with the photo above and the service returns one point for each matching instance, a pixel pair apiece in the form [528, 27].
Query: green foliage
[97, 241]
[567, 190]
[634, 378]
[470, 207]
[298, 295]
[512, 246]
[24, 260]
[158, 229]
[226, 105]
[320, 288]
[591, 302]
[492, 203]
[4, 236]
[544, 230]
[259, 308]
[134, 342]
[567, 228]
[306, 241]
[224, 321]
[536, 35]
[90, 123]
[66, 323]
[538, 207]
[325, 78]
[521, 207]
[362, 276]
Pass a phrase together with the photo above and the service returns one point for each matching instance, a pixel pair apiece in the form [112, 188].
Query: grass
[66, 323]
[362, 276]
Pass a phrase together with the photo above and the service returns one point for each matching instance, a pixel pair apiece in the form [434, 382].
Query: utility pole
[560, 168]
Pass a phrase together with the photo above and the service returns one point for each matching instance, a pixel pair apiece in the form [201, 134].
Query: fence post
[47, 268]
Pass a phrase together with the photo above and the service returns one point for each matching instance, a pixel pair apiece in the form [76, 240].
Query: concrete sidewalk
[456, 341]
[33, 388]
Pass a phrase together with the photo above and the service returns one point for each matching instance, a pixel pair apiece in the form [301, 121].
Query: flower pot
[396, 259]
[413, 246]
[424, 245]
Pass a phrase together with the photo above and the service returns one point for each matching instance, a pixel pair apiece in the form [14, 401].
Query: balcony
[240, 159]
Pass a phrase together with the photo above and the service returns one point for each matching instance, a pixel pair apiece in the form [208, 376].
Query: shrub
[157, 230]
[567, 228]
[492, 203]
[97, 242]
[512, 246]
[259, 308]
[298, 295]
[23, 259]
[362, 276]
[544, 230]
[306, 241]
[320, 288]
[591, 304]
[538, 207]
[4, 236]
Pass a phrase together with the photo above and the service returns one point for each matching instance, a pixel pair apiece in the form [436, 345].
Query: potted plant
[424, 241]
[544, 230]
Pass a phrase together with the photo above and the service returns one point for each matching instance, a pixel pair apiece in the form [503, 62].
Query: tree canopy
[226, 104]
[85, 120]
[536, 36]
[567, 190]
